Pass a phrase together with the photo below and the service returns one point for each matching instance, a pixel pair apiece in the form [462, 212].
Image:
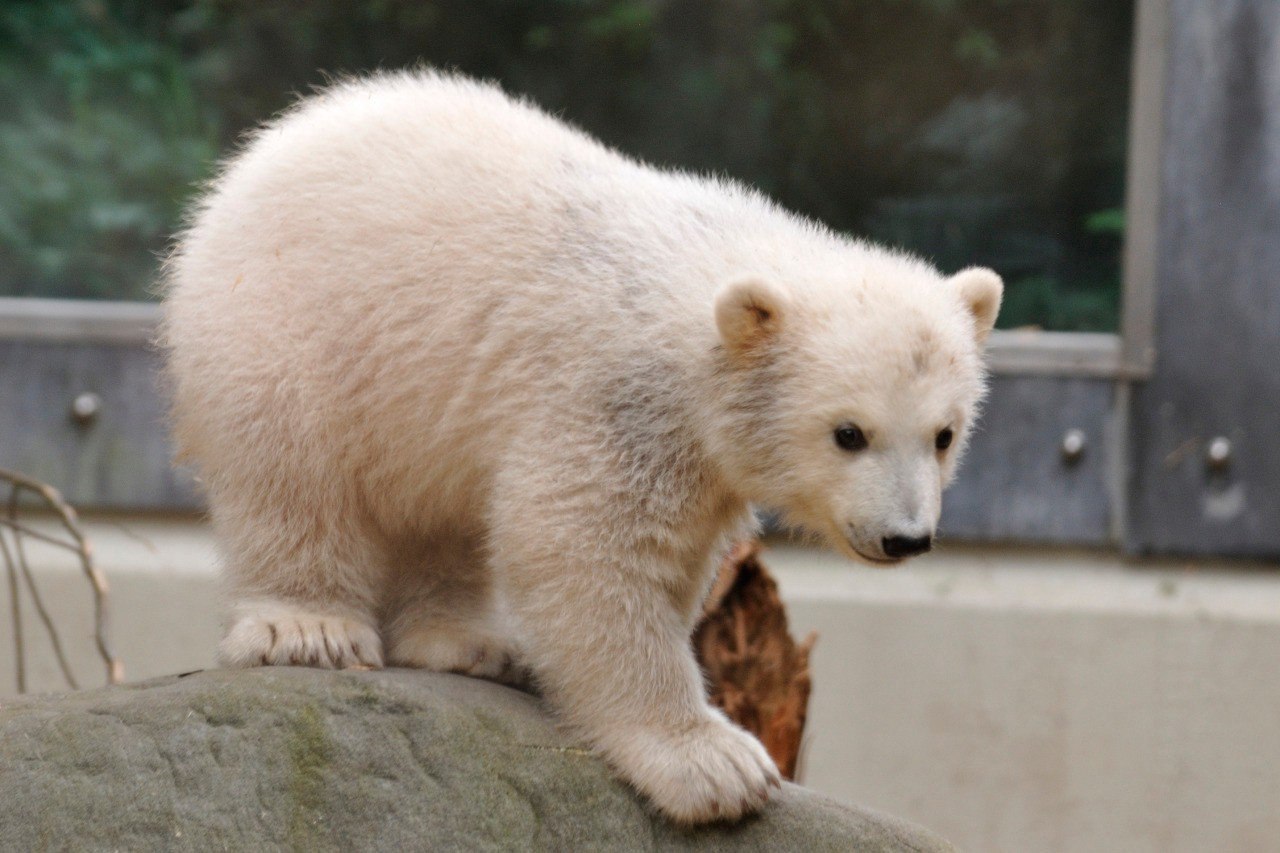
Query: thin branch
[18, 527]
[15, 611]
[82, 548]
[25, 570]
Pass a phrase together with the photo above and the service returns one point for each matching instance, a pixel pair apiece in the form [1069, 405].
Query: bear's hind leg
[303, 592]
[441, 615]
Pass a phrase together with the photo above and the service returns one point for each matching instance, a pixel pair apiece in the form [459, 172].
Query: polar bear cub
[471, 392]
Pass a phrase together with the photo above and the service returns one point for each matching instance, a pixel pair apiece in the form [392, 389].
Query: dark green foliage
[972, 131]
[102, 134]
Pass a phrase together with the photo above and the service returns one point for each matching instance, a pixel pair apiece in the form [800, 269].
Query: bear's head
[848, 399]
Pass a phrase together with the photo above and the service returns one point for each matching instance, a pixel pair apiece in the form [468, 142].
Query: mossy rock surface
[300, 759]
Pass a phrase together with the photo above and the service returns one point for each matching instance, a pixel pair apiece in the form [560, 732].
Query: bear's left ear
[749, 313]
[981, 289]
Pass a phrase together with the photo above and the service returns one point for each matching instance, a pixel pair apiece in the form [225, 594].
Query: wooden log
[756, 672]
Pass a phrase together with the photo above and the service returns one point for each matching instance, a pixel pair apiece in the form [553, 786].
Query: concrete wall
[1011, 700]
[1037, 702]
[164, 603]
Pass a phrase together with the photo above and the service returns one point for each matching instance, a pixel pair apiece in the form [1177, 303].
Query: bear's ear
[749, 314]
[981, 289]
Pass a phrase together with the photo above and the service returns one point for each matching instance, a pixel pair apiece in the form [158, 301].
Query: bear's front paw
[711, 771]
[273, 634]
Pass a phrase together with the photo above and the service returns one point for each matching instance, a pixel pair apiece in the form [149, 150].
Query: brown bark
[755, 671]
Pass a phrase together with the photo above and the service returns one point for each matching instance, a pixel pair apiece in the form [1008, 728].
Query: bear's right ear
[749, 314]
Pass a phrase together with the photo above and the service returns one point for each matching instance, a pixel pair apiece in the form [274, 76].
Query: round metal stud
[1218, 454]
[85, 408]
[1073, 443]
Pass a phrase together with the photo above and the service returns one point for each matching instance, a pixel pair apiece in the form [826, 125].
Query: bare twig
[24, 569]
[15, 611]
[19, 528]
[19, 566]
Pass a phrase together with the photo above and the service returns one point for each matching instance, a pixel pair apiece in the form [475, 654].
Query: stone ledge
[300, 759]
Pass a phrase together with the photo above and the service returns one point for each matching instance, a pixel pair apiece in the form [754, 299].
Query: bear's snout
[900, 547]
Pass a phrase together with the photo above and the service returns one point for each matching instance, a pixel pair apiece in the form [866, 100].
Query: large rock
[301, 759]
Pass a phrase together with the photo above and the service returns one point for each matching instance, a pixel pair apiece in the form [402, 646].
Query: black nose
[906, 546]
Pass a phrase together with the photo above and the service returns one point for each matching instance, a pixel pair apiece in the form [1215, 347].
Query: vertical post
[1204, 428]
[1142, 190]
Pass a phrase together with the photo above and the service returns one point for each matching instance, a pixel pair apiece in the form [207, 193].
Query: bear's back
[420, 258]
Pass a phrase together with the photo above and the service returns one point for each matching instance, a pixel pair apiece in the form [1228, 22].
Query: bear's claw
[280, 635]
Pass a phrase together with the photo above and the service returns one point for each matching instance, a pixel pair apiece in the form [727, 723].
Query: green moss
[309, 755]
[363, 697]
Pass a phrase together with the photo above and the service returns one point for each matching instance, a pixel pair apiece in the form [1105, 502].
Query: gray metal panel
[1217, 371]
[122, 459]
[1015, 483]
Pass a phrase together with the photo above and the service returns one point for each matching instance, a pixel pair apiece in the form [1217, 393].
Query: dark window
[972, 131]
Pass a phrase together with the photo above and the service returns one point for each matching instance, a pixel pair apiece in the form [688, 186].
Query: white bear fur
[471, 392]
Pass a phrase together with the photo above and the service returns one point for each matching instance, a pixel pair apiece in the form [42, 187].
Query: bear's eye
[943, 441]
[849, 437]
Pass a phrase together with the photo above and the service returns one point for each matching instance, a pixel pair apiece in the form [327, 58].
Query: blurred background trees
[971, 131]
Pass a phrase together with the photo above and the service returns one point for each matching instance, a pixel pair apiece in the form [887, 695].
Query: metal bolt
[1218, 456]
[1073, 443]
[85, 408]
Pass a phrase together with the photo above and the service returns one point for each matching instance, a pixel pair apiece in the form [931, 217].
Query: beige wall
[1011, 700]
[1024, 702]
[164, 603]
